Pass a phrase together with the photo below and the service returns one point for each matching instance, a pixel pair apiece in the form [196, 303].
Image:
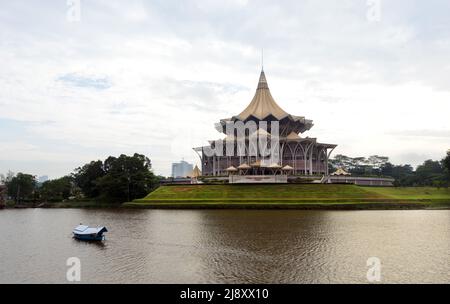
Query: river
[229, 246]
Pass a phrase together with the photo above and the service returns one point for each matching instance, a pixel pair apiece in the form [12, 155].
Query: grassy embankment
[294, 196]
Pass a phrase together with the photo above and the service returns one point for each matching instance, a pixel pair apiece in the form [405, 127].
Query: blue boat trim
[86, 233]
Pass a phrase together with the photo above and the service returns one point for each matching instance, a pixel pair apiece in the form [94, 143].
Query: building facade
[261, 128]
[181, 169]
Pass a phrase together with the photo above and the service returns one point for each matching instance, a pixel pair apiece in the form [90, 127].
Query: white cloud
[154, 77]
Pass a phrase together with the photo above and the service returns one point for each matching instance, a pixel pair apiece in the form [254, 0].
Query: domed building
[296, 154]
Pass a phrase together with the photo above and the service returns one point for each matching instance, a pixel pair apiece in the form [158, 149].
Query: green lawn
[416, 193]
[293, 195]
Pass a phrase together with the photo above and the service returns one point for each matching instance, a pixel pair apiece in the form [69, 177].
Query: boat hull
[89, 238]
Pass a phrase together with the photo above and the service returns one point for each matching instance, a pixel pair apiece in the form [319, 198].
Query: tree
[57, 189]
[126, 178]
[387, 169]
[85, 177]
[359, 165]
[21, 187]
[9, 176]
[430, 167]
[341, 161]
[446, 164]
[429, 173]
[376, 161]
[403, 174]
[117, 179]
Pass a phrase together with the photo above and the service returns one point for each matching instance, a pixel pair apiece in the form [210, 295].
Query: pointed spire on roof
[262, 84]
[262, 59]
[263, 104]
[263, 107]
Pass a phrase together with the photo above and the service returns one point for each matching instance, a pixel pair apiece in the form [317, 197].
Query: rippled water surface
[156, 246]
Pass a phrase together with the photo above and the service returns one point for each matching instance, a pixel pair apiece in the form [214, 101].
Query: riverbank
[293, 196]
[288, 196]
[66, 205]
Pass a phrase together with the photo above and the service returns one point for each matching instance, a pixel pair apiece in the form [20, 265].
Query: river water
[229, 246]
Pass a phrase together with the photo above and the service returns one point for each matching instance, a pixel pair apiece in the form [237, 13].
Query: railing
[258, 179]
[363, 181]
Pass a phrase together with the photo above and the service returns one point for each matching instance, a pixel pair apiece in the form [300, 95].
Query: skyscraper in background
[42, 179]
[182, 169]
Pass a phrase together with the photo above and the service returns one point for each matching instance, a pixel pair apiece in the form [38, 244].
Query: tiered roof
[264, 108]
[263, 105]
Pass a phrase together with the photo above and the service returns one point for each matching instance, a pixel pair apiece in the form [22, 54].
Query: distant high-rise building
[42, 179]
[182, 169]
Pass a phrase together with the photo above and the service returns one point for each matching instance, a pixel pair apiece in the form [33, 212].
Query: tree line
[124, 178]
[430, 173]
[114, 180]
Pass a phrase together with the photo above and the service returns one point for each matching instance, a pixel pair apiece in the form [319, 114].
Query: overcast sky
[154, 76]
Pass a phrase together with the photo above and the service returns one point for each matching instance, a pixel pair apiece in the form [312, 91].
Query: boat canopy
[83, 229]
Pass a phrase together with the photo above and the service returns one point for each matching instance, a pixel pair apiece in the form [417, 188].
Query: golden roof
[340, 171]
[244, 166]
[234, 138]
[263, 104]
[261, 132]
[293, 136]
[196, 172]
[231, 169]
[275, 166]
[256, 164]
[287, 168]
[264, 108]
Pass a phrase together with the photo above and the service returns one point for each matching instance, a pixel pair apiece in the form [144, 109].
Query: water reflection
[99, 245]
[264, 246]
[199, 246]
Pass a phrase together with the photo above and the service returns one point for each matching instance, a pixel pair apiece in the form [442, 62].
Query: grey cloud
[329, 43]
[423, 133]
[199, 95]
[77, 80]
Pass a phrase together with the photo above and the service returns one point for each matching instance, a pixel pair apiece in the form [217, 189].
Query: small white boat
[86, 233]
